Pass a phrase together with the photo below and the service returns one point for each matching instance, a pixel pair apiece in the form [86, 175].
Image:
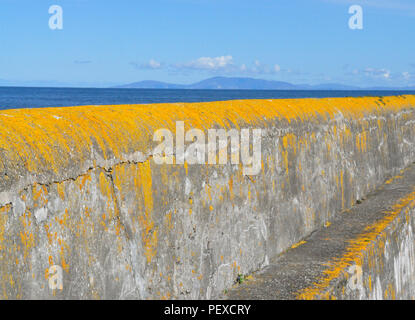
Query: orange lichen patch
[230, 184]
[3, 222]
[64, 265]
[107, 190]
[39, 194]
[52, 138]
[168, 219]
[355, 251]
[298, 244]
[104, 221]
[49, 234]
[144, 188]
[61, 190]
[389, 181]
[83, 180]
[26, 236]
[5, 209]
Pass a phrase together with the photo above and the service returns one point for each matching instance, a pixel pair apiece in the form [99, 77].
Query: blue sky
[182, 41]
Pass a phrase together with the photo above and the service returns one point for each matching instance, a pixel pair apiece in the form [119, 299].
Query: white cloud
[227, 65]
[406, 75]
[380, 76]
[259, 68]
[223, 64]
[377, 73]
[152, 64]
[209, 63]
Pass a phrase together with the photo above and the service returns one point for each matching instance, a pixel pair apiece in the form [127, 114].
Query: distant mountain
[216, 83]
[211, 83]
[241, 84]
[148, 84]
[247, 84]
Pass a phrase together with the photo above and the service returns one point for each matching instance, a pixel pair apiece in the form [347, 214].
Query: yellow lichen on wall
[3, 221]
[135, 200]
[148, 229]
[27, 237]
[53, 137]
[136, 180]
[354, 253]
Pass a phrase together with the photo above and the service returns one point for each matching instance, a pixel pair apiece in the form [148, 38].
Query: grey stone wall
[117, 225]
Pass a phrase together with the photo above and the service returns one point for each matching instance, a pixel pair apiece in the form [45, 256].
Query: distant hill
[216, 83]
[241, 83]
[248, 84]
[149, 84]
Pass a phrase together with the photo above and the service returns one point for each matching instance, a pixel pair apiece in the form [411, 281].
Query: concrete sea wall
[366, 252]
[80, 192]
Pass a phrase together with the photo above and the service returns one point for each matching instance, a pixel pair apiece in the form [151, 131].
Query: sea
[24, 97]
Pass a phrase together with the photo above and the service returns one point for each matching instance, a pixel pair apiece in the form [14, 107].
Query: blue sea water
[23, 97]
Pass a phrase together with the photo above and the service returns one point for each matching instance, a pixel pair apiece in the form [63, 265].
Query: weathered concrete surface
[367, 252]
[79, 190]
